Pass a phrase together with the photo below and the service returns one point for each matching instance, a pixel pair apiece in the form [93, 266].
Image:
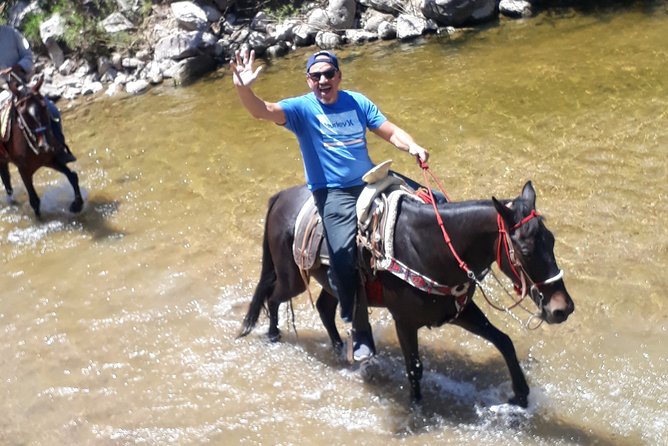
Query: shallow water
[118, 325]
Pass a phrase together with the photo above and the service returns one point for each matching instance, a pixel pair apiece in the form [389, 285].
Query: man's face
[323, 80]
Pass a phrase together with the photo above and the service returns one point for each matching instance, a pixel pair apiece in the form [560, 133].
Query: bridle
[31, 135]
[505, 244]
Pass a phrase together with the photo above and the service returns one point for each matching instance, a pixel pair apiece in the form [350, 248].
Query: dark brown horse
[32, 144]
[512, 233]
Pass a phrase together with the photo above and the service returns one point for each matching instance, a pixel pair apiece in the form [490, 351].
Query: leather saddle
[308, 248]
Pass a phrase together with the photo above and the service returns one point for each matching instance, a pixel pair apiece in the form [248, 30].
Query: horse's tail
[267, 281]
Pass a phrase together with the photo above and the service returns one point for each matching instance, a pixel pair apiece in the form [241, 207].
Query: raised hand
[242, 67]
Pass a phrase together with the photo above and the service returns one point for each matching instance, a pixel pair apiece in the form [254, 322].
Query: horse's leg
[32, 194]
[6, 179]
[475, 321]
[288, 285]
[326, 305]
[73, 178]
[408, 339]
[274, 332]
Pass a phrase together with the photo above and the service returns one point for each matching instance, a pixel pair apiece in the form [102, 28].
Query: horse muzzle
[559, 307]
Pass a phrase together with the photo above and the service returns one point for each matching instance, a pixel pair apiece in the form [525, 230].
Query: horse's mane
[450, 208]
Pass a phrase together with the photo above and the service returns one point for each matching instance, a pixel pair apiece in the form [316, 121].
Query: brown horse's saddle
[376, 212]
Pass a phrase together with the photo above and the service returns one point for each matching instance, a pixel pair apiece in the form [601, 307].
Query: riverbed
[119, 324]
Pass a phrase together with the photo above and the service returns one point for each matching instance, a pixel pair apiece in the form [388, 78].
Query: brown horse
[32, 144]
[512, 233]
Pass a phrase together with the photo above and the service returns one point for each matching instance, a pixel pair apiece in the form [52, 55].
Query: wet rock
[410, 26]
[189, 70]
[278, 50]
[387, 30]
[458, 12]
[136, 87]
[515, 8]
[360, 36]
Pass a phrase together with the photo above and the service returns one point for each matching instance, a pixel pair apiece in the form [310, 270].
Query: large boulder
[515, 8]
[458, 12]
[328, 40]
[189, 70]
[189, 16]
[341, 13]
[410, 26]
[178, 46]
[50, 31]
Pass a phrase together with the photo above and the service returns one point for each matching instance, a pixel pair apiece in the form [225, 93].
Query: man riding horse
[330, 125]
[15, 55]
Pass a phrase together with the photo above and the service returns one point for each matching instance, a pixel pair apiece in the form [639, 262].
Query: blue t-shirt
[332, 137]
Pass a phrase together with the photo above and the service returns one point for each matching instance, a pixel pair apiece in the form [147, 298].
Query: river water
[118, 325]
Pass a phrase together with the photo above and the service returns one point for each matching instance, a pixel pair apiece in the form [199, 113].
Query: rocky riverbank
[181, 41]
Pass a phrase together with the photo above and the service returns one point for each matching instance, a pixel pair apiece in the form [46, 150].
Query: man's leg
[337, 209]
[63, 152]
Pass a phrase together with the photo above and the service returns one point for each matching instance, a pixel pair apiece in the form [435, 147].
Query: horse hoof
[369, 369]
[76, 207]
[274, 337]
[521, 401]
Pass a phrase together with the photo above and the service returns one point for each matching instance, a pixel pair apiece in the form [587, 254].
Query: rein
[429, 198]
[504, 242]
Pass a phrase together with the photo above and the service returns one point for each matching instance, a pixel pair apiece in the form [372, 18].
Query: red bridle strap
[506, 245]
[526, 219]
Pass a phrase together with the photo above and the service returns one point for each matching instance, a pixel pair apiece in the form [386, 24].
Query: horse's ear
[506, 213]
[529, 194]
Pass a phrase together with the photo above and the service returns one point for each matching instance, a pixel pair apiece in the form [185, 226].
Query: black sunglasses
[329, 74]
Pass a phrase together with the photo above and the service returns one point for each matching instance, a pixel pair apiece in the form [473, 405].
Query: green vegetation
[83, 35]
[284, 11]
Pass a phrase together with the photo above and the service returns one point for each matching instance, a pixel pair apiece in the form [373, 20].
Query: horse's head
[526, 255]
[33, 115]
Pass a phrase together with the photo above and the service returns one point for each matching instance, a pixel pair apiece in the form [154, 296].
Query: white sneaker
[362, 353]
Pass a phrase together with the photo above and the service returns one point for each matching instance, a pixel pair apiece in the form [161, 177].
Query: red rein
[504, 238]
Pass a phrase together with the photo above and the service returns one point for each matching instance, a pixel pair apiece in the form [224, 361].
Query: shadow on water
[456, 392]
[94, 218]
